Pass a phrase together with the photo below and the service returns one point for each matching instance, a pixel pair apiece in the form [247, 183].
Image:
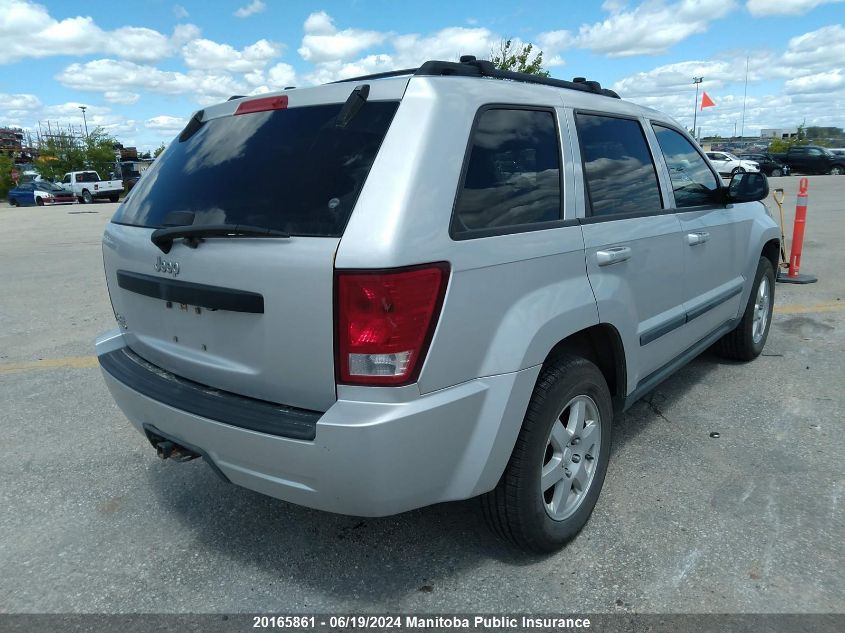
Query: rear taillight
[385, 321]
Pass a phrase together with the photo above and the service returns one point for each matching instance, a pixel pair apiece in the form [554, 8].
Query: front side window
[692, 181]
[618, 167]
[513, 172]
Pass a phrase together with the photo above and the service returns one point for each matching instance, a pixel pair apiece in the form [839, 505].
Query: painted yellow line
[86, 362]
[69, 362]
[797, 308]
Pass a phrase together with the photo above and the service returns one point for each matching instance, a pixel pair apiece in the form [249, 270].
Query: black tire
[776, 172]
[39, 202]
[114, 198]
[737, 170]
[739, 344]
[837, 170]
[13, 202]
[516, 508]
[87, 198]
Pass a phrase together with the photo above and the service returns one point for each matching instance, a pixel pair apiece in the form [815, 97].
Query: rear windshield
[87, 176]
[293, 170]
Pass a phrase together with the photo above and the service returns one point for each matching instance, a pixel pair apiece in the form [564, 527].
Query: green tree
[62, 153]
[159, 150]
[6, 166]
[518, 58]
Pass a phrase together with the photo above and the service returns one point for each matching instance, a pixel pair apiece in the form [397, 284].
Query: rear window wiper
[163, 238]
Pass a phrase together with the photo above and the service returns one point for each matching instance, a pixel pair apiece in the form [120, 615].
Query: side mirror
[747, 187]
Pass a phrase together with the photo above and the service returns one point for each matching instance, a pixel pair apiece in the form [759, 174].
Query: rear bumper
[106, 194]
[368, 457]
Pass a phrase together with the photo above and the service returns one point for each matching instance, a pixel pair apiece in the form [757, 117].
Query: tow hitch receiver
[169, 448]
[166, 449]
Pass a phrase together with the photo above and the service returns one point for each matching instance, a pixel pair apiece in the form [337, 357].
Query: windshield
[46, 185]
[291, 170]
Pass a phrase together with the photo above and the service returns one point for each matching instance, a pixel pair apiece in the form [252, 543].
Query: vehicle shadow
[364, 559]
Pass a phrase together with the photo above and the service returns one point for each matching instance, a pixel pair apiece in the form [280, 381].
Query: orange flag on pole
[706, 102]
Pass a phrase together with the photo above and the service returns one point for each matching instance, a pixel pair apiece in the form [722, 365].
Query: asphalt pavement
[750, 521]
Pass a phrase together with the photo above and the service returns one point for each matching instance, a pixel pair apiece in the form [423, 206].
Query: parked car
[811, 159]
[87, 186]
[728, 164]
[768, 164]
[131, 182]
[837, 151]
[437, 307]
[40, 193]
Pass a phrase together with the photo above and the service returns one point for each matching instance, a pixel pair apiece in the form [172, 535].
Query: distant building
[781, 133]
[11, 140]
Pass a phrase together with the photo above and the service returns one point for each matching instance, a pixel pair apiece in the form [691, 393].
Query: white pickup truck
[86, 186]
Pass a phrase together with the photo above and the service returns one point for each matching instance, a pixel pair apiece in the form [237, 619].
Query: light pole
[84, 120]
[696, 81]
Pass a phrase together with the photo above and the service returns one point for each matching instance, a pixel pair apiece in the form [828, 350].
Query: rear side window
[692, 181]
[513, 173]
[618, 166]
[292, 170]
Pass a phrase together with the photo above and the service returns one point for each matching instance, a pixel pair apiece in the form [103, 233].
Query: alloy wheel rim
[761, 311]
[571, 457]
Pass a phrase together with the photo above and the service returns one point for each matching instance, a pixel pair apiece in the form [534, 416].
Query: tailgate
[282, 353]
[250, 315]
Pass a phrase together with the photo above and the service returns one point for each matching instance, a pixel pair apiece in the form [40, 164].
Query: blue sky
[143, 67]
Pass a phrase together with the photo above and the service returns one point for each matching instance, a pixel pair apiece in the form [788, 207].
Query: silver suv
[428, 285]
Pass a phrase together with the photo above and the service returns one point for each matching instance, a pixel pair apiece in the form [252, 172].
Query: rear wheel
[837, 170]
[39, 202]
[776, 172]
[87, 198]
[13, 202]
[747, 340]
[556, 471]
[114, 198]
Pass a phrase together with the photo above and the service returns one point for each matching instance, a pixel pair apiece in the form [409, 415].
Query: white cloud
[165, 123]
[180, 12]
[335, 70]
[28, 31]
[319, 23]
[824, 82]
[209, 55]
[23, 102]
[759, 8]
[256, 6]
[649, 29]
[205, 87]
[121, 97]
[281, 75]
[322, 41]
[818, 49]
[448, 43]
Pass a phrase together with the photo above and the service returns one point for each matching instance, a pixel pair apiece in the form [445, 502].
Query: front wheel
[747, 340]
[556, 471]
[837, 170]
[776, 172]
[738, 170]
[39, 202]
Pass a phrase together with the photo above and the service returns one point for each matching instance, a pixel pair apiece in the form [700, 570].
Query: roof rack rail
[469, 66]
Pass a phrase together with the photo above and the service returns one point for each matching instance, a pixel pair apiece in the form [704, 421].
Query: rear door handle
[697, 238]
[613, 255]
